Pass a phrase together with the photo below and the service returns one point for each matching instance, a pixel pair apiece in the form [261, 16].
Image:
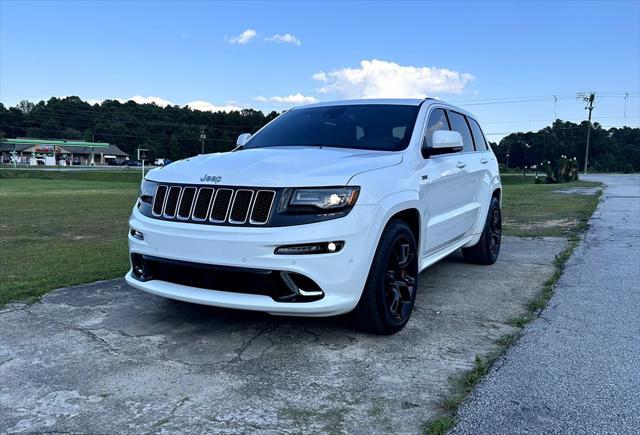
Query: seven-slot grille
[213, 205]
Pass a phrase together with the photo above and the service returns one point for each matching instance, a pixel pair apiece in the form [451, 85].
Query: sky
[515, 65]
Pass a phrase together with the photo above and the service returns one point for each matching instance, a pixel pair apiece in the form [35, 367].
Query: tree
[25, 106]
[174, 132]
[175, 152]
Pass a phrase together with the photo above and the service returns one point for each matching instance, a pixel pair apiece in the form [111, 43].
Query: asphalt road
[576, 369]
[106, 358]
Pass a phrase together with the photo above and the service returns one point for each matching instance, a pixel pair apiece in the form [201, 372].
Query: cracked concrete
[105, 358]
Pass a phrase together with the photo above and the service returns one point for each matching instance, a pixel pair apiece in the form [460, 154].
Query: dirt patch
[550, 223]
[586, 191]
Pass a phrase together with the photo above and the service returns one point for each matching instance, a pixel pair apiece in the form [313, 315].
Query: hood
[277, 167]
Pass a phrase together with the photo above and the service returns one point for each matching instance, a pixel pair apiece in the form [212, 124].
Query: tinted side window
[478, 137]
[459, 124]
[437, 121]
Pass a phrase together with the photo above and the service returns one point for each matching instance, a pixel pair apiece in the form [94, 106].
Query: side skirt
[444, 252]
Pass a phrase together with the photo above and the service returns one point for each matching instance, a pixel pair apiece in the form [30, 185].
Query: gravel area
[576, 369]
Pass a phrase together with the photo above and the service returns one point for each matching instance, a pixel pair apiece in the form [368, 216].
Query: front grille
[171, 203]
[262, 206]
[220, 205]
[186, 202]
[240, 208]
[158, 200]
[203, 200]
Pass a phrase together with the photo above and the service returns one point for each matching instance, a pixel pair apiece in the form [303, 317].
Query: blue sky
[487, 57]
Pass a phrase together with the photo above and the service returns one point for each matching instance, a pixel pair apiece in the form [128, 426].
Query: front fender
[392, 204]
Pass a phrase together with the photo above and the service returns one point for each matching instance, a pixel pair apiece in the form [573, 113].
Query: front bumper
[340, 275]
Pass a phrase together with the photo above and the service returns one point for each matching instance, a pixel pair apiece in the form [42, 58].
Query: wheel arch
[411, 216]
[497, 194]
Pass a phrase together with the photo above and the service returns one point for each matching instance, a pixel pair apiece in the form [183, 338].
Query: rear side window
[437, 121]
[478, 137]
[459, 124]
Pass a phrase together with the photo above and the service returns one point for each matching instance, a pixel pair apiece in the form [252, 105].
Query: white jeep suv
[330, 208]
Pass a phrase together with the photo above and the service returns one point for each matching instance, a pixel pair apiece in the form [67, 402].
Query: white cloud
[320, 76]
[205, 106]
[148, 100]
[383, 79]
[287, 99]
[243, 38]
[287, 38]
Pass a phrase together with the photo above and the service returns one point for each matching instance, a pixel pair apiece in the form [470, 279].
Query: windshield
[371, 127]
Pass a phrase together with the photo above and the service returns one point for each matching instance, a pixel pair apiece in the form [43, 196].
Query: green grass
[537, 210]
[62, 228]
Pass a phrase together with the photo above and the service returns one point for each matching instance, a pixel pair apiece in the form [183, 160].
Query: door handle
[484, 160]
[461, 164]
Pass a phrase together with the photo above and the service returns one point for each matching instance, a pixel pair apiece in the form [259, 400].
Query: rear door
[482, 163]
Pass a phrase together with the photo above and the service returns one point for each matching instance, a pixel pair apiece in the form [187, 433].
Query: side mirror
[243, 139]
[446, 139]
[443, 142]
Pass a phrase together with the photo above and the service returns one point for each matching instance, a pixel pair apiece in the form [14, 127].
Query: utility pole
[202, 137]
[589, 101]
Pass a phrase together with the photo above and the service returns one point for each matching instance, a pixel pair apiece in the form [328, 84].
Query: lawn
[536, 210]
[64, 228]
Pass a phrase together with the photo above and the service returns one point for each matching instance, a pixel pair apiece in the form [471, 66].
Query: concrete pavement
[105, 358]
[576, 369]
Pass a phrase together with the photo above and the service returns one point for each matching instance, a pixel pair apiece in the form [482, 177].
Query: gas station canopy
[61, 143]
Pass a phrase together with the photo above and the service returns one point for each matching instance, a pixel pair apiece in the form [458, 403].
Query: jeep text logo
[211, 179]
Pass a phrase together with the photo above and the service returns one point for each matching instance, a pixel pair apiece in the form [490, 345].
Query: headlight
[147, 190]
[326, 198]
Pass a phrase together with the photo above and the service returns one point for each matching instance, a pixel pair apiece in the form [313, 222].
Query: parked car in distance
[133, 163]
[331, 208]
[162, 162]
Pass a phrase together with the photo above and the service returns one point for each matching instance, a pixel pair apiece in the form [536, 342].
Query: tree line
[616, 149]
[167, 132]
[175, 132]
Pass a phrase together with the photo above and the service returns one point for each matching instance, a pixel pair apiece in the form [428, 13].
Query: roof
[392, 101]
[395, 101]
[110, 149]
[56, 142]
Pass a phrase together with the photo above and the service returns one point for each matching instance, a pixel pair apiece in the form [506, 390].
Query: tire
[487, 249]
[390, 290]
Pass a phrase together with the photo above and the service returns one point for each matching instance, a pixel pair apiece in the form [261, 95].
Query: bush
[564, 170]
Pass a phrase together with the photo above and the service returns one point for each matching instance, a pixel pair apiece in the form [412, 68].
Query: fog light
[137, 265]
[137, 234]
[310, 248]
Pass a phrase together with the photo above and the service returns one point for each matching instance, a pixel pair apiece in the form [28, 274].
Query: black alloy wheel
[487, 249]
[495, 231]
[389, 293]
[401, 278]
